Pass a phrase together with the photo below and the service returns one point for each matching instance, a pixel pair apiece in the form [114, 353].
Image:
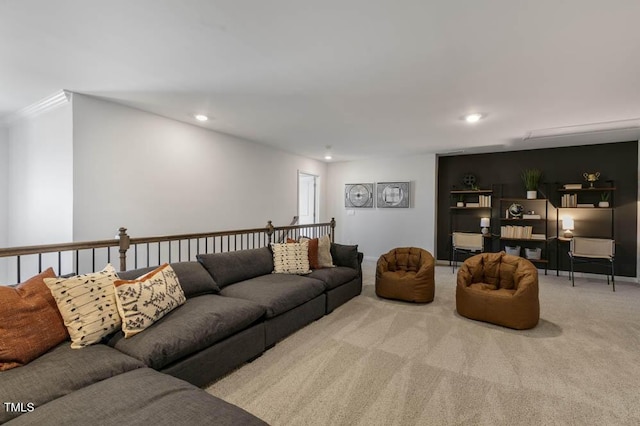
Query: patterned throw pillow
[31, 323]
[87, 304]
[292, 258]
[145, 300]
[324, 252]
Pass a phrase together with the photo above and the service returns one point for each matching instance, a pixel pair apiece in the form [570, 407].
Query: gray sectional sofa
[236, 309]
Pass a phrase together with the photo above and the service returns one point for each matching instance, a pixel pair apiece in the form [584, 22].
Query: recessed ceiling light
[201, 117]
[472, 118]
[327, 153]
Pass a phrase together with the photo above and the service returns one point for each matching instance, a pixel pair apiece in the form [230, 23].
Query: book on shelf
[538, 237]
[585, 205]
[484, 200]
[569, 200]
[572, 186]
[531, 216]
[472, 205]
[516, 232]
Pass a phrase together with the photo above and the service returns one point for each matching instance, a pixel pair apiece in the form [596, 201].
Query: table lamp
[485, 222]
[568, 226]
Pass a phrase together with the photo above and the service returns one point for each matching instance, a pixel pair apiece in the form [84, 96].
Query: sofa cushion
[276, 293]
[30, 321]
[59, 372]
[235, 266]
[345, 255]
[196, 325]
[334, 277]
[194, 279]
[291, 258]
[140, 397]
[145, 300]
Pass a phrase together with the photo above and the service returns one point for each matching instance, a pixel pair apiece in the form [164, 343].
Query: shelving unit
[466, 218]
[589, 198]
[531, 233]
[476, 204]
[592, 221]
[502, 171]
[543, 230]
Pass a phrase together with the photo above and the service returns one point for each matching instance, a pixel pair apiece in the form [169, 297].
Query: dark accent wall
[614, 161]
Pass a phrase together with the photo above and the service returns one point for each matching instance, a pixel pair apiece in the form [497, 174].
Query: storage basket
[533, 254]
[515, 251]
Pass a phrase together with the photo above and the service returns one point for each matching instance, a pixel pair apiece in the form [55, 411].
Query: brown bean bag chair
[499, 288]
[406, 273]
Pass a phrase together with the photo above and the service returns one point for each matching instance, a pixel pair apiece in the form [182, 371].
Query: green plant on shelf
[604, 196]
[531, 179]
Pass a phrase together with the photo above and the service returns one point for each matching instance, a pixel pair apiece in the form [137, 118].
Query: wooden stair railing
[169, 248]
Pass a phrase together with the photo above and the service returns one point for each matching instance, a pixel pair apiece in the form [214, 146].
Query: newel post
[124, 246]
[333, 229]
[270, 230]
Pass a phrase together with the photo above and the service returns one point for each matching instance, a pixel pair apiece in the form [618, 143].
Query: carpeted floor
[379, 362]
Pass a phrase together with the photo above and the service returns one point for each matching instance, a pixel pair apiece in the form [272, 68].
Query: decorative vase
[603, 204]
[532, 195]
[460, 204]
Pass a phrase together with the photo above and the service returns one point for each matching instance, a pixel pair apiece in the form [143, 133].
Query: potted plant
[604, 199]
[531, 179]
[460, 202]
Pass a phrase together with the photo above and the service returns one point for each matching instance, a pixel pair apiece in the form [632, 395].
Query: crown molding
[61, 97]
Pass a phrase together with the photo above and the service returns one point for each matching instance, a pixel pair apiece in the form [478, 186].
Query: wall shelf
[468, 208]
[594, 189]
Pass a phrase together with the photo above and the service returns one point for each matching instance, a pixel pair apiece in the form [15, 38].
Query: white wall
[4, 183]
[39, 207]
[158, 176]
[4, 177]
[378, 230]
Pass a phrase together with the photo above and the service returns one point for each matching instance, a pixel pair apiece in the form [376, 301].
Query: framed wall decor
[392, 194]
[358, 195]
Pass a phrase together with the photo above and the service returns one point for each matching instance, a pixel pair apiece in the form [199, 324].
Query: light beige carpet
[379, 362]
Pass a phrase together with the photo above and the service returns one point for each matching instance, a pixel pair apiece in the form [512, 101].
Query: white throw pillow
[87, 304]
[291, 258]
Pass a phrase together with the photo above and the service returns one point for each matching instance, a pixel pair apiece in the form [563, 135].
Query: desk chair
[465, 242]
[593, 250]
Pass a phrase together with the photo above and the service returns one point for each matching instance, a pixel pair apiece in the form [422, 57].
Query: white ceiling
[368, 77]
